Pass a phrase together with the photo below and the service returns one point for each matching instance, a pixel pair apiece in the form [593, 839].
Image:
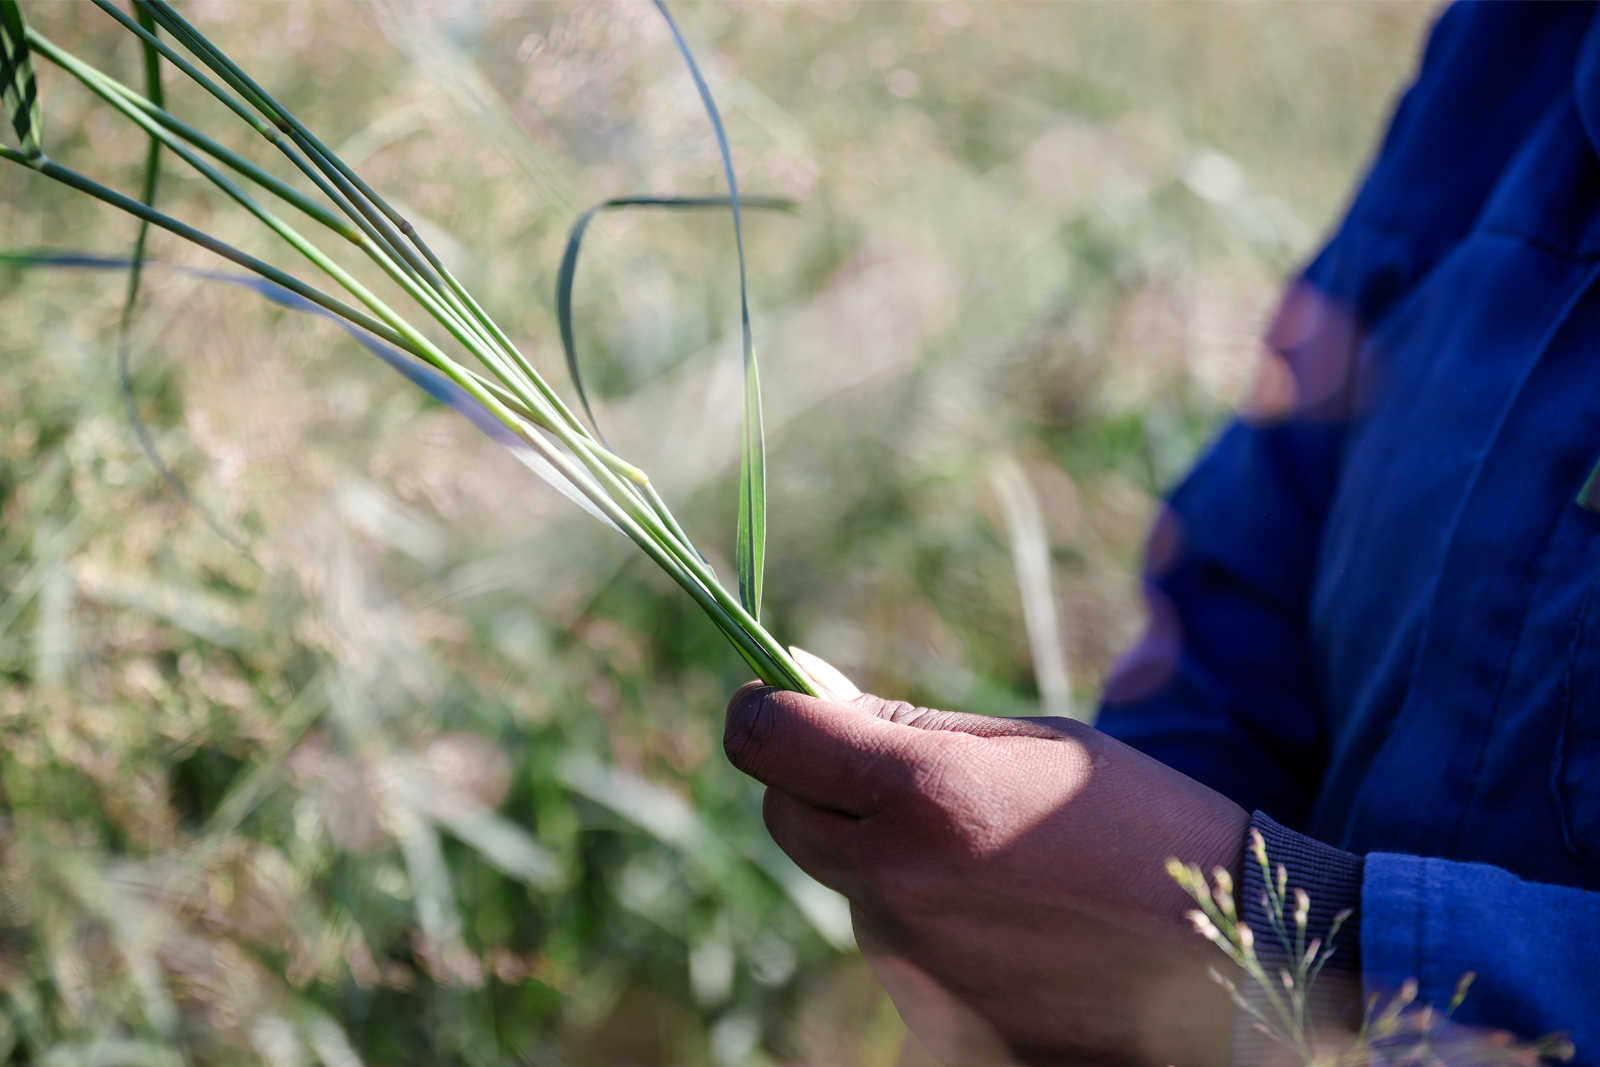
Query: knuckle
[928, 719]
[931, 719]
[1061, 727]
[895, 711]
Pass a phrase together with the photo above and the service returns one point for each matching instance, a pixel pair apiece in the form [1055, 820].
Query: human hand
[1006, 876]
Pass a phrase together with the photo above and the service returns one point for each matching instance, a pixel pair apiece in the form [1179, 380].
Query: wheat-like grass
[539, 425]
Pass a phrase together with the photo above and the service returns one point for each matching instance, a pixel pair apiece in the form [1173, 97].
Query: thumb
[854, 757]
[827, 754]
[1049, 728]
[834, 686]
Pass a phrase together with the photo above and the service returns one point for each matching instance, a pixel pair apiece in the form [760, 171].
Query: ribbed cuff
[1331, 879]
[1330, 876]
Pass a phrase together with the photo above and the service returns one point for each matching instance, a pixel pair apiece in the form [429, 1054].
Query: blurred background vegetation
[373, 750]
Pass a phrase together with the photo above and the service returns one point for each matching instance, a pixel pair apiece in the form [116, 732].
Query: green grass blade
[341, 184]
[152, 162]
[752, 531]
[148, 115]
[564, 280]
[566, 277]
[164, 127]
[148, 37]
[616, 489]
[278, 126]
[119, 98]
[145, 29]
[462, 311]
[133, 207]
[19, 89]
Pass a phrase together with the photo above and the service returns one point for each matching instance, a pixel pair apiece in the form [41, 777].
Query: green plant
[542, 430]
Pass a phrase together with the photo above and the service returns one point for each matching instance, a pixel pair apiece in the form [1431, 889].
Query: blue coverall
[1375, 616]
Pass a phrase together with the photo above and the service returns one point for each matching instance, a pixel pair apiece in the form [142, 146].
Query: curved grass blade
[752, 530]
[147, 196]
[19, 89]
[567, 275]
[613, 486]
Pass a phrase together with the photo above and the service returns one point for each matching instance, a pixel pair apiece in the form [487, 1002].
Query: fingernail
[828, 678]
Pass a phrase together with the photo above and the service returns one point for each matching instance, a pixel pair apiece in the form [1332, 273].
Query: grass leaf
[568, 273]
[751, 539]
[19, 89]
[147, 196]
[556, 444]
[752, 533]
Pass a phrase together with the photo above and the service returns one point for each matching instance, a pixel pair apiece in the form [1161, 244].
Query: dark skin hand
[1006, 877]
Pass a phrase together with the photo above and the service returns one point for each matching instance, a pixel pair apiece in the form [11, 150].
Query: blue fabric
[1432, 919]
[1373, 606]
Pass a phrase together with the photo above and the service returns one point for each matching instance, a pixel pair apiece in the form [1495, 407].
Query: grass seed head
[1204, 926]
[1258, 847]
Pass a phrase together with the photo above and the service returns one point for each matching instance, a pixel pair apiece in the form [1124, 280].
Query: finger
[829, 755]
[903, 714]
[825, 844]
[854, 757]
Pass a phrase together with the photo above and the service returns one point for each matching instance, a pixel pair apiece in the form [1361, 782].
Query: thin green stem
[359, 192]
[145, 112]
[764, 655]
[794, 677]
[100, 85]
[188, 68]
[380, 220]
[265, 128]
[670, 537]
[499, 335]
[74, 180]
[148, 115]
[273, 127]
[661, 509]
[339, 172]
[462, 332]
[130, 300]
[417, 343]
[522, 400]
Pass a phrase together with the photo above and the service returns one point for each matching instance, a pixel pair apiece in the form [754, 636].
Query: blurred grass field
[373, 749]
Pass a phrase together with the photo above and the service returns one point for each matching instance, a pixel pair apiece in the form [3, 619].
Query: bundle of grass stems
[487, 378]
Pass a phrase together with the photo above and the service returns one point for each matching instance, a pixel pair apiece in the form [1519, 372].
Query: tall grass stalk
[512, 391]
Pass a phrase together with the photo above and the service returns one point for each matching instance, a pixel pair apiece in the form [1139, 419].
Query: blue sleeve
[1531, 946]
[1222, 685]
